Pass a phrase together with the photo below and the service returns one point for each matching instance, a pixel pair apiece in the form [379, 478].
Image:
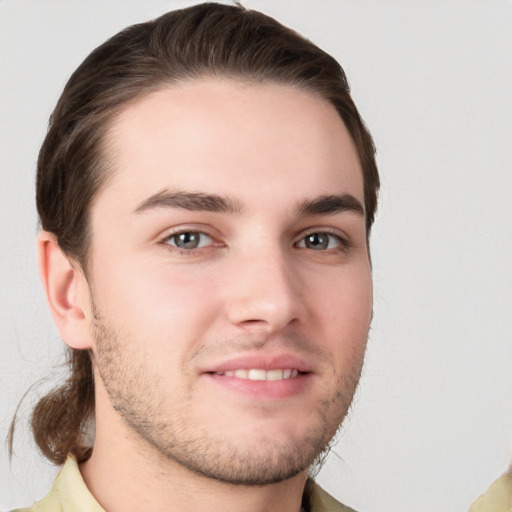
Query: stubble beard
[133, 393]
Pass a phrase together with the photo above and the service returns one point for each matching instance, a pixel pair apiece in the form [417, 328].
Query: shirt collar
[72, 491]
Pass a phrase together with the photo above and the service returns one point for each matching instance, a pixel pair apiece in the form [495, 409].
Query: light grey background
[432, 423]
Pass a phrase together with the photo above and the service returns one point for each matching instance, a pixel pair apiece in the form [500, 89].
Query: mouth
[259, 374]
[262, 377]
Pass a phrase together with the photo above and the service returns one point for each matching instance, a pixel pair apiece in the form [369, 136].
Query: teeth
[257, 374]
[275, 375]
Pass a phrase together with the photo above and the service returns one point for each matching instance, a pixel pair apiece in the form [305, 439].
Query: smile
[259, 374]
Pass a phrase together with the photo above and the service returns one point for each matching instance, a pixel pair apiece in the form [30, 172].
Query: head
[230, 54]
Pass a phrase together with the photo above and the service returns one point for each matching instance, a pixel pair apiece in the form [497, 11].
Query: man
[206, 192]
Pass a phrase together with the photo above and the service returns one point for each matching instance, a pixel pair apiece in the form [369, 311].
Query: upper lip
[261, 362]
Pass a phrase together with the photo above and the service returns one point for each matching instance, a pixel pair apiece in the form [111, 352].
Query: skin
[272, 284]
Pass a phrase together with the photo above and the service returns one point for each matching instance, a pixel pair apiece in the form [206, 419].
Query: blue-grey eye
[319, 241]
[189, 240]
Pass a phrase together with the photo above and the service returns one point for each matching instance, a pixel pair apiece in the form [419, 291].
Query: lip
[265, 362]
[261, 389]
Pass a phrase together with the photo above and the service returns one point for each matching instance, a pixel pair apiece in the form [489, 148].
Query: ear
[66, 290]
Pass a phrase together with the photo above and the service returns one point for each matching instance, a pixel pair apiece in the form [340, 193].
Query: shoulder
[47, 504]
[50, 503]
[319, 500]
[68, 494]
[498, 497]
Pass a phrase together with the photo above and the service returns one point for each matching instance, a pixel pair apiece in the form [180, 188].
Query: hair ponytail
[60, 418]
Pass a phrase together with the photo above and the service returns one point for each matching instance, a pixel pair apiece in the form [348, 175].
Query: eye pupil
[317, 241]
[187, 240]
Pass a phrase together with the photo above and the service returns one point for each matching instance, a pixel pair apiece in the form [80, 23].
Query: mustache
[260, 343]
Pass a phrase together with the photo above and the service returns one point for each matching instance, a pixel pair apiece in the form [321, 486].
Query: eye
[188, 240]
[320, 241]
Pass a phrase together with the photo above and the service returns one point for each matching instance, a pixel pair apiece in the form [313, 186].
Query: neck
[126, 474]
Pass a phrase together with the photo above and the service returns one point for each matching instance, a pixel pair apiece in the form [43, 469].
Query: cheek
[343, 306]
[159, 301]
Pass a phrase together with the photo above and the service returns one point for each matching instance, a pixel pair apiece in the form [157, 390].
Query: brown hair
[203, 40]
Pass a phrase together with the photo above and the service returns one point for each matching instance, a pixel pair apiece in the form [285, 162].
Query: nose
[265, 293]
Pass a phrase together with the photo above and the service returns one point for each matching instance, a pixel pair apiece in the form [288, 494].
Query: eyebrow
[196, 201]
[330, 205]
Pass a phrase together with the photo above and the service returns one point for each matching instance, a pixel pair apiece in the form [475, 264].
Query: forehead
[232, 138]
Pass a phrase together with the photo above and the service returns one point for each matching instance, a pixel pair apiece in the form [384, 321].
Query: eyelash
[186, 252]
[343, 243]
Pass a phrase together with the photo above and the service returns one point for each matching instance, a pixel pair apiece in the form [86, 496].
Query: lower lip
[264, 389]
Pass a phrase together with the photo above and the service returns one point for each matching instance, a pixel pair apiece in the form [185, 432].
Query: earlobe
[66, 291]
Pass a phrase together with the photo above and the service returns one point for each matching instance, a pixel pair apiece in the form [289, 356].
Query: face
[230, 277]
